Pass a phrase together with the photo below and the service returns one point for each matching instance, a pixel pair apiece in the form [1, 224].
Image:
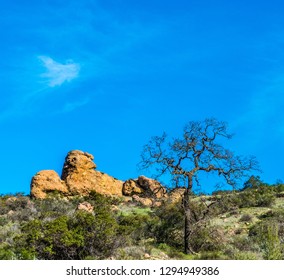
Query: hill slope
[237, 225]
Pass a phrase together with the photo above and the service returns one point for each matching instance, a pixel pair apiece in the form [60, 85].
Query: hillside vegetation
[246, 224]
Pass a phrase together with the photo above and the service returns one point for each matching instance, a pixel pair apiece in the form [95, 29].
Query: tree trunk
[187, 215]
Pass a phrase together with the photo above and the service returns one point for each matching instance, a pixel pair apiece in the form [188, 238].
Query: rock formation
[47, 181]
[80, 177]
[144, 187]
[144, 190]
[85, 206]
[131, 187]
[146, 201]
[176, 194]
[151, 187]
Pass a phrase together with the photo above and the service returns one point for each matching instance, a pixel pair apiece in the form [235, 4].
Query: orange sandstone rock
[47, 181]
[79, 177]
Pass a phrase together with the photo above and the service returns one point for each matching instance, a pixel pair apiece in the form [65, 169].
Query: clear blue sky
[104, 76]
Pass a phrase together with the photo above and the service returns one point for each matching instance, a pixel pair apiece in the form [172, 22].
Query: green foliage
[53, 229]
[173, 252]
[76, 236]
[263, 196]
[260, 197]
[206, 238]
[243, 244]
[246, 218]
[67, 238]
[169, 228]
[53, 207]
[271, 243]
[266, 235]
[100, 232]
[6, 252]
[246, 256]
[136, 226]
[279, 187]
[253, 182]
[211, 255]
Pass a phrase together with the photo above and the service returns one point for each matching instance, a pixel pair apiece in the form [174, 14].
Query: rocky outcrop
[176, 194]
[146, 191]
[79, 177]
[47, 181]
[144, 187]
[146, 201]
[151, 187]
[131, 187]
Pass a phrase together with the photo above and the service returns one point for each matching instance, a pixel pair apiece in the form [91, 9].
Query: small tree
[195, 152]
[253, 182]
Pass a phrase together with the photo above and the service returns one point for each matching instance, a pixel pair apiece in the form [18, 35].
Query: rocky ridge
[80, 177]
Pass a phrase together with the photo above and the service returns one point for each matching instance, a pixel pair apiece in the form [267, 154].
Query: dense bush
[76, 237]
[245, 218]
[206, 238]
[134, 227]
[169, 228]
[266, 235]
[264, 196]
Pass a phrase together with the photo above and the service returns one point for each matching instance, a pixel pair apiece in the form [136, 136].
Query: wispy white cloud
[59, 73]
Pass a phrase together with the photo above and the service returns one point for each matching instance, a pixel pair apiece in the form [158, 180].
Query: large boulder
[146, 191]
[151, 187]
[77, 162]
[131, 187]
[81, 177]
[145, 201]
[144, 187]
[176, 194]
[47, 181]
[85, 206]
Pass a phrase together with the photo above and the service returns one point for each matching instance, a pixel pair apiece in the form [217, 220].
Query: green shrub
[227, 202]
[243, 243]
[17, 203]
[246, 256]
[6, 252]
[173, 253]
[134, 226]
[53, 207]
[212, 255]
[264, 196]
[100, 232]
[279, 188]
[3, 221]
[170, 226]
[205, 238]
[265, 234]
[246, 218]
[64, 237]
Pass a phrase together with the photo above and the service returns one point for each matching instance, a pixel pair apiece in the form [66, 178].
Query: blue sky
[104, 76]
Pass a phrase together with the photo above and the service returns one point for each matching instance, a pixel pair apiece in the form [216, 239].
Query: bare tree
[197, 151]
